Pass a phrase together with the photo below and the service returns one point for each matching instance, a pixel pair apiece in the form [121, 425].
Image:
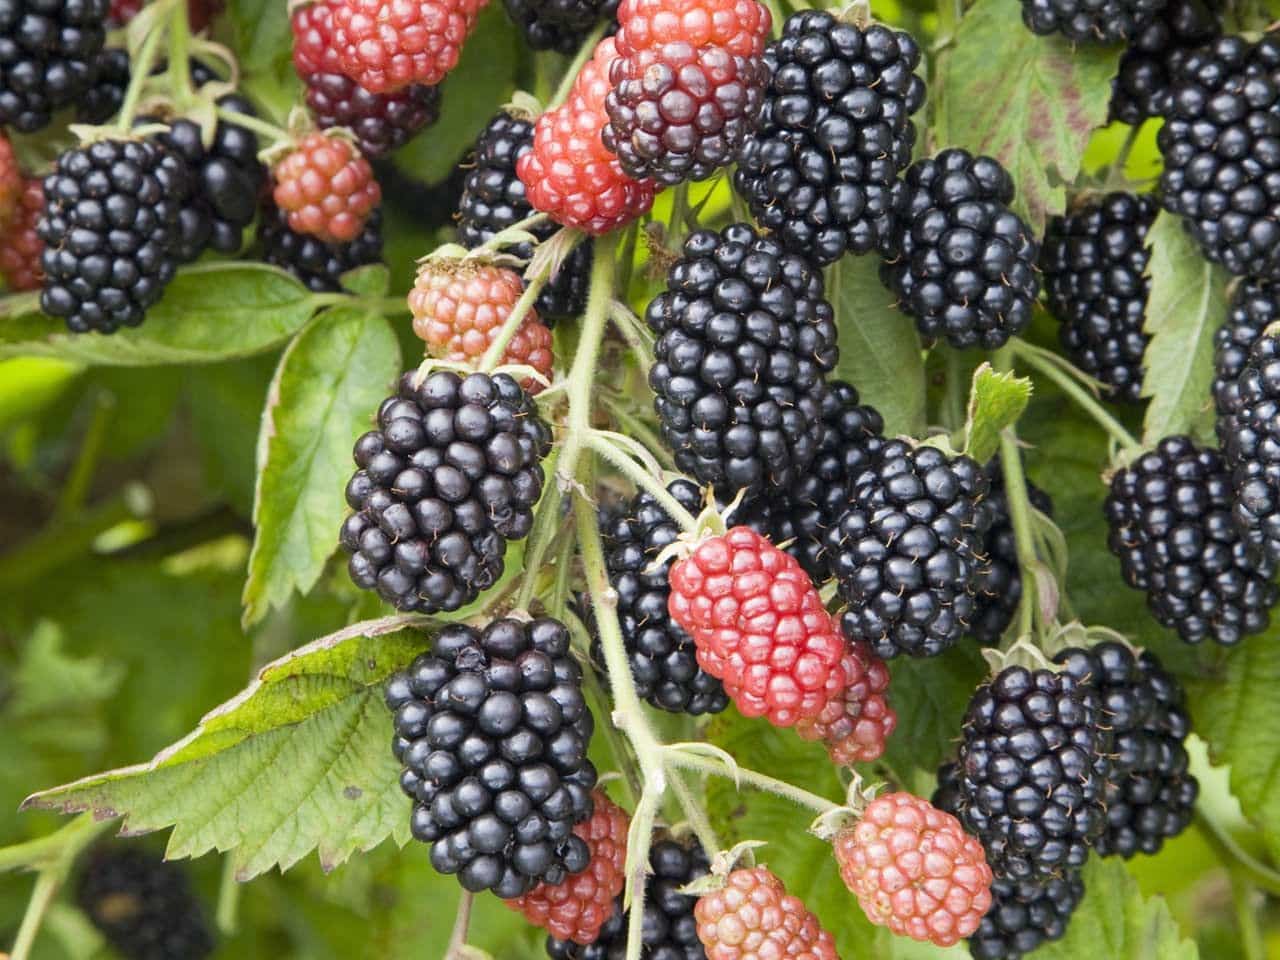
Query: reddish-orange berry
[326, 187]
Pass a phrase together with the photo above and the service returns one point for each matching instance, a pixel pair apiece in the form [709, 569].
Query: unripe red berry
[11, 181]
[386, 45]
[855, 725]
[20, 245]
[326, 187]
[753, 918]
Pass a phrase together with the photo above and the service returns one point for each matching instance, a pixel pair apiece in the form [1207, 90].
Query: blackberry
[449, 476]
[1252, 450]
[317, 264]
[492, 729]
[1150, 793]
[801, 515]
[1139, 89]
[1094, 262]
[105, 95]
[493, 198]
[1170, 522]
[907, 550]
[999, 589]
[1255, 305]
[963, 264]
[1031, 774]
[681, 111]
[560, 25]
[111, 232]
[48, 50]
[662, 656]
[1090, 21]
[1024, 914]
[1220, 143]
[669, 931]
[143, 905]
[835, 132]
[381, 122]
[744, 339]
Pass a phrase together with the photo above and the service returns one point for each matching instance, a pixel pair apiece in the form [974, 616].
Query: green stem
[582, 373]
[1251, 939]
[461, 924]
[510, 326]
[179, 54]
[633, 425]
[575, 67]
[1020, 517]
[675, 756]
[45, 890]
[1233, 855]
[546, 523]
[259, 126]
[697, 817]
[642, 478]
[141, 68]
[227, 917]
[76, 489]
[953, 400]
[1078, 394]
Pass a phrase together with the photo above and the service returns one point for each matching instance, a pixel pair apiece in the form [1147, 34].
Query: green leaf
[298, 761]
[1031, 102]
[879, 350]
[210, 312]
[1186, 306]
[371, 280]
[930, 697]
[1117, 922]
[996, 401]
[325, 391]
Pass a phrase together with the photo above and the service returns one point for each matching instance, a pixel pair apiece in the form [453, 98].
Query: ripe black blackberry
[47, 54]
[907, 551]
[800, 516]
[744, 339]
[1139, 89]
[111, 232]
[1221, 143]
[105, 96]
[317, 264]
[1255, 305]
[493, 729]
[142, 905]
[1150, 793]
[449, 476]
[493, 198]
[681, 112]
[1025, 914]
[999, 588]
[963, 264]
[669, 931]
[1094, 262]
[560, 25]
[381, 122]
[1031, 774]
[1170, 522]
[1252, 450]
[835, 132]
[1090, 21]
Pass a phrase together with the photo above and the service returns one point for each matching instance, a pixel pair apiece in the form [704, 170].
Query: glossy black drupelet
[318, 264]
[801, 515]
[451, 474]
[963, 264]
[48, 50]
[1090, 21]
[493, 198]
[669, 930]
[1150, 793]
[1170, 520]
[744, 340]
[1031, 774]
[111, 232]
[834, 134]
[1254, 307]
[999, 588]
[1252, 450]
[1094, 262]
[492, 729]
[681, 112]
[907, 550]
[381, 122]
[1221, 148]
[105, 95]
[1139, 89]
[662, 656]
[142, 905]
[1025, 914]
[560, 25]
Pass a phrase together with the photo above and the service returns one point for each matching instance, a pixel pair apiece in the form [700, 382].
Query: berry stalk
[493, 355]
[677, 755]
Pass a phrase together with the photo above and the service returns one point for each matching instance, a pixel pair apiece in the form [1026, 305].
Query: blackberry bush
[744, 339]
[48, 54]
[1171, 525]
[1094, 262]
[962, 263]
[1252, 450]
[450, 475]
[492, 729]
[835, 132]
[1142, 85]
[907, 550]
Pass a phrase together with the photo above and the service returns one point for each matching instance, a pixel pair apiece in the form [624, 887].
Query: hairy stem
[1235, 856]
[461, 924]
[582, 373]
[697, 817]
[227, 915]
[141, 68]
[677, 757]
[1079, 395]
[642, 478]
[46, 888]
[263, 128]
